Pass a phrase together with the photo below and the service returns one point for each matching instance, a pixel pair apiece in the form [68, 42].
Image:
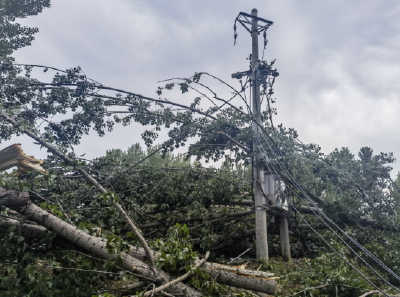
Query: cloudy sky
[339, 61]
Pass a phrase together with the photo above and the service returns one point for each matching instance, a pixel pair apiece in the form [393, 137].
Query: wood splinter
[14, 156]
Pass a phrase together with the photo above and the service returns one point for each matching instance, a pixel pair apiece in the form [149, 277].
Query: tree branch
[92, 181]
[179, 279]
[246, 149]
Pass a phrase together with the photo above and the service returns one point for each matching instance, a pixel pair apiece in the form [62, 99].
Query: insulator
[275, 74]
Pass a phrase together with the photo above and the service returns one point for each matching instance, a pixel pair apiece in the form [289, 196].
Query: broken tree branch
[14, 156]
[131, 259]
[95, 245]
[91, 180]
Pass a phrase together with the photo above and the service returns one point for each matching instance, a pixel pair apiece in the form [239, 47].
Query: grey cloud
[338, 60]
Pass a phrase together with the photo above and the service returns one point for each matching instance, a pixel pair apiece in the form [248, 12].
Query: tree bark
[243, 234]
[28, 231]
[263, 285]
[225, 277]
[250, 203]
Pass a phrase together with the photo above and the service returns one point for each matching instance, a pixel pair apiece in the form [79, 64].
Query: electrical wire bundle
[324, 219]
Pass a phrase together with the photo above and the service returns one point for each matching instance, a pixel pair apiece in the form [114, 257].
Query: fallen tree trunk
[313, 226]
[306, 209]
[225, 277]
[364, 221]
[26, 230]
[229, 278]
[20, 202]
[31, 231]
[132, 259]
[246, 203]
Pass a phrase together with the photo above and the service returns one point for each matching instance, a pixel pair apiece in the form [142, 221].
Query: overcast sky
[339, 61]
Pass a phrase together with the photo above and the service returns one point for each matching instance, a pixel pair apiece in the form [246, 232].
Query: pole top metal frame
[244, 19]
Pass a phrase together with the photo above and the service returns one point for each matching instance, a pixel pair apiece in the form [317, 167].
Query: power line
[151, 154]
[330, 221]
[362, 248]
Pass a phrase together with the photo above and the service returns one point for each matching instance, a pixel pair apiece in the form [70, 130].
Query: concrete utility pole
[255, 25]
[284, 236]
[271, 192]
[258, 170]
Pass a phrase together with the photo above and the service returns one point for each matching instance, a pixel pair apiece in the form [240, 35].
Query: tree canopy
[179, 207]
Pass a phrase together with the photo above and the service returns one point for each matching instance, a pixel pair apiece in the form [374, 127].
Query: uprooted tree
[139, 221]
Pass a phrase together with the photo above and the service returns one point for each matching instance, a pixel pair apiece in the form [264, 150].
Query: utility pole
[263, 180]
[284, 236]
[255, 25]
[272, 191]
[258, 168]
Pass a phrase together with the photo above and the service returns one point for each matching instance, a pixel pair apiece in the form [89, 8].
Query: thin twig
[98, 259]
[167, 294]
[40, 197]
[63, 212]
[371, 293]
[97, 271]
[326, 285]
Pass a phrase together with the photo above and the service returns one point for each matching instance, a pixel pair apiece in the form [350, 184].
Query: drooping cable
[320, 236]
[329, 220]
[384, 266]
[151, 154]
[368, 253]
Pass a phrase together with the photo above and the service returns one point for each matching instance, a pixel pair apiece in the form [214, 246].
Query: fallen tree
[20, 203]
[32, 106]
[132, 260]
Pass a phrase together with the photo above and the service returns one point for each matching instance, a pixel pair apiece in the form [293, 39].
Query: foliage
[12, 35]
[175, 254]
[167, 195]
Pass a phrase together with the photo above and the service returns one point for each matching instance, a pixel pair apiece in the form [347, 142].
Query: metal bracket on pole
[251, 22]
[243, 18]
